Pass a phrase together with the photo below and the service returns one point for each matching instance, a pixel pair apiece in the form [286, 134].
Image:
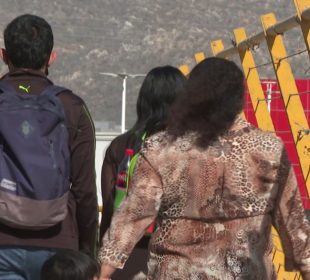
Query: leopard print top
[214, 208]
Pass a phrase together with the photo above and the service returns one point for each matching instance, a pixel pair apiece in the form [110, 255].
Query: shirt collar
[238, 124]
[25, 72]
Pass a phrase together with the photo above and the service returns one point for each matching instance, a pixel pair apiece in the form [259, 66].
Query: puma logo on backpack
[34, 158]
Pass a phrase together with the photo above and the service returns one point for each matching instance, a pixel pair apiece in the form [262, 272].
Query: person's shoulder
[156, 141]
[267, 136]
[68, 96]
[123, 139]
[259, 139]
[118, 145]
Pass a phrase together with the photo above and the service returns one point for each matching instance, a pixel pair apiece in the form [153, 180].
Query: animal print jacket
[214, 207]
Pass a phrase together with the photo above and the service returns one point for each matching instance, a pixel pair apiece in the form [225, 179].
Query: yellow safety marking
[184, 69]
[217, 46]
[295, 111]
[301, 5]
[199, 57]
[257, 96]
[278, 260]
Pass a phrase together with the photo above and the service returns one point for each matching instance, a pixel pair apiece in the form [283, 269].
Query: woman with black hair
[216, 185]
[158, 91]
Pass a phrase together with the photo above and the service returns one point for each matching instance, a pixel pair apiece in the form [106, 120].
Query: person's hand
[106, 271]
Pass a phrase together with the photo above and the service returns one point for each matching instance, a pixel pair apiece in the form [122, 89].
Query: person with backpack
[158, 91]
[48, 198]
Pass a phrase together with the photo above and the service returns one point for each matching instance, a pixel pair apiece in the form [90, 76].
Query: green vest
[120, 194]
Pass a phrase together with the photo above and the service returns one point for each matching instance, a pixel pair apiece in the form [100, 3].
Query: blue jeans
[23, 263]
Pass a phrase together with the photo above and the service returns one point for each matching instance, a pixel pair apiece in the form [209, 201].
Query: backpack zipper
[52, 153]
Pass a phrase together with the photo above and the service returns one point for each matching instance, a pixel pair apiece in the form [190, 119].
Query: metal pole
[123, 122]
[124, 77]
[273, 30]
[286, 80]
[252, 78]
[303, 13]
[269, 96]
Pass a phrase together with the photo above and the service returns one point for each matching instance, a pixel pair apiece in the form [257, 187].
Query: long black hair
[158, 91]
[212, 100]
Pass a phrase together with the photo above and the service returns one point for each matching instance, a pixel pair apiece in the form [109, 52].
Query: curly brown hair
[213, 97]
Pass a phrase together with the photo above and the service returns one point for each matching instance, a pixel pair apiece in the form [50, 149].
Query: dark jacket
[78, 230]
[113, 156]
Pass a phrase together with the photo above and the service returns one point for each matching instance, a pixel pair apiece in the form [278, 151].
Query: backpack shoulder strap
[53, 90]
[6, 87]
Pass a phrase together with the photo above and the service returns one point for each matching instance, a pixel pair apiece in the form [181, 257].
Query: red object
[282, 126]
[123, 170]
[151, 228]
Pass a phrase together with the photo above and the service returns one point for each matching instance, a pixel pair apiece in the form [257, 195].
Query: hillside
[135, 35]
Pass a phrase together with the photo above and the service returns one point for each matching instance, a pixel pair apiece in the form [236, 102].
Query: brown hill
[135, 35]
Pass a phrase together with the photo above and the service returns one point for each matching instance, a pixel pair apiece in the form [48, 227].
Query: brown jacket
[214, 208]
[78, 230]
[113, 156]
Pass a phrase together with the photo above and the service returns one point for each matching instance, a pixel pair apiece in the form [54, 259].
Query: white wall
[102, 142]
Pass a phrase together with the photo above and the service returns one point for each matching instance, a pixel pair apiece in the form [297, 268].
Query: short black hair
[69, 265]
[28, 41]
[158, 91]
